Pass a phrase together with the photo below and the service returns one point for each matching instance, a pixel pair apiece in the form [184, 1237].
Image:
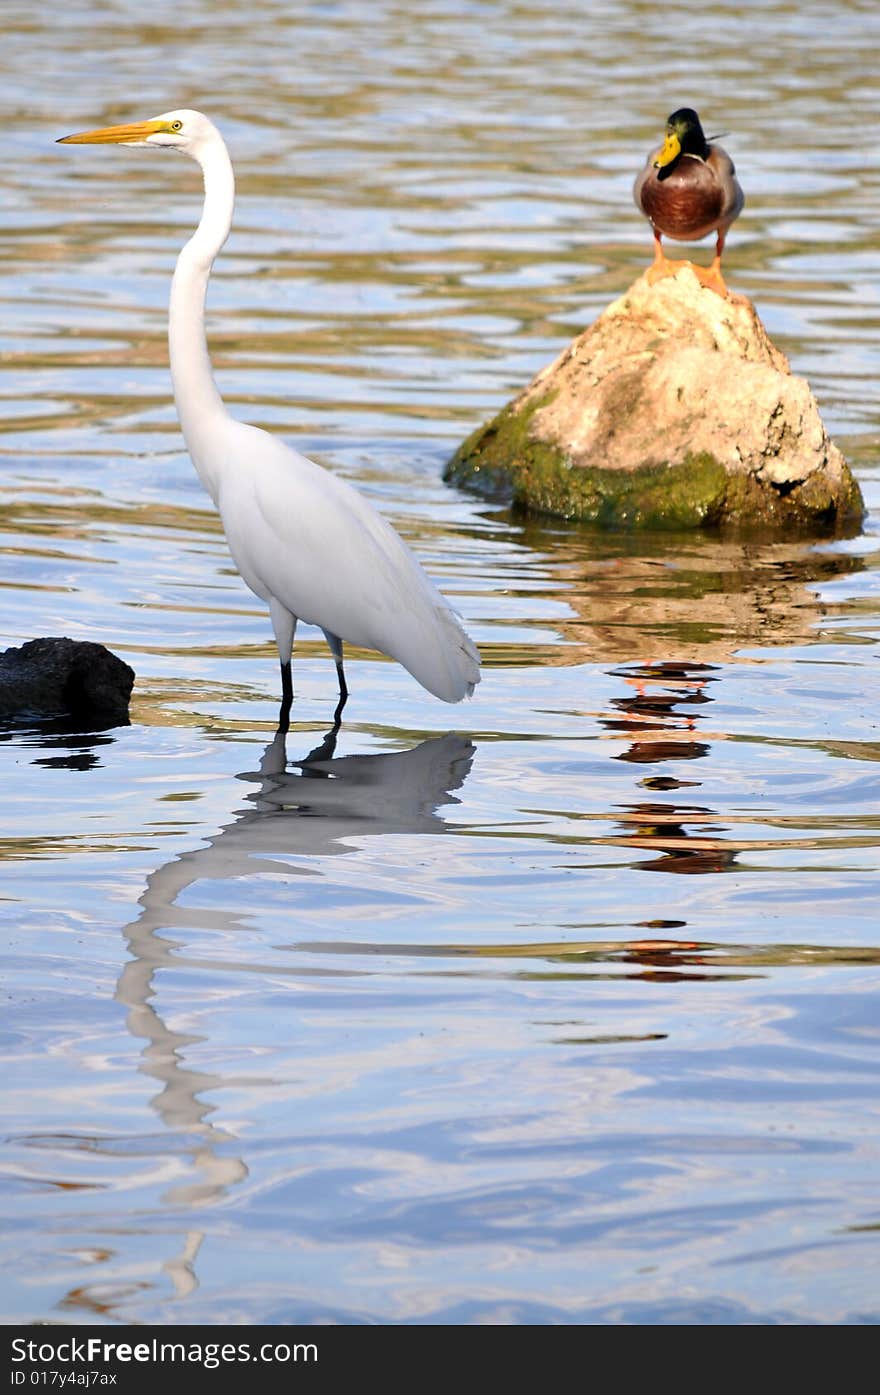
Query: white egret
[303, 540]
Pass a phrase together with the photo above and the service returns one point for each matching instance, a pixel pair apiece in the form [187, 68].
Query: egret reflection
[310, 808]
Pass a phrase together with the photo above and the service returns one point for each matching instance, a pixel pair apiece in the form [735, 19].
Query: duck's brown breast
[687, 204]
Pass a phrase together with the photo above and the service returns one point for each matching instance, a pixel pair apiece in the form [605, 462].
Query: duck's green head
[684, 136]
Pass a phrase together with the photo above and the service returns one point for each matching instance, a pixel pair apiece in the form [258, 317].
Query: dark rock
[70, 676]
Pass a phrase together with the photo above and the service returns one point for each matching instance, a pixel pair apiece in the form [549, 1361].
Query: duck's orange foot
[711, 278]
[662, 266]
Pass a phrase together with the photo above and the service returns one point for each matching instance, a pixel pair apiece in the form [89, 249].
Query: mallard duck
[688, 189]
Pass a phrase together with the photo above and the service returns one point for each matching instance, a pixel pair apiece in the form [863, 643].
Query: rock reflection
[309, 807]
[59, 733]
[698, 599]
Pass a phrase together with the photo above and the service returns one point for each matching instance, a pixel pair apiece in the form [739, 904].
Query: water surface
[403, 1026]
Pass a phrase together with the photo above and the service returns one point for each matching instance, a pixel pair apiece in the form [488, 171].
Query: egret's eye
[177, 125]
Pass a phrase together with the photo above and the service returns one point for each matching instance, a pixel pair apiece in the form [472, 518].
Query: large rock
[673, 410]
[71, 677]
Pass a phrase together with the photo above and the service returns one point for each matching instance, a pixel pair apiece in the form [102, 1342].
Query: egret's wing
[302, 535]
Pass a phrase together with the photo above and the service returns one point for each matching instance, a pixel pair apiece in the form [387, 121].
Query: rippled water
[409, 1029]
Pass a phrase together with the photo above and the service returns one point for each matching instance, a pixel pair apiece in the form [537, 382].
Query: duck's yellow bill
[671, 151]
[116, 135]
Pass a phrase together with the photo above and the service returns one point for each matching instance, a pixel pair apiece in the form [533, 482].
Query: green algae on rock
[673, 410]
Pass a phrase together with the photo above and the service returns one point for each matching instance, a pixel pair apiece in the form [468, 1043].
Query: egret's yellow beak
[134, 134]
[671, 151]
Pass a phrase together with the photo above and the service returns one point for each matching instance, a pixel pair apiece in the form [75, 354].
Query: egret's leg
[286, 697]
[335, 644]
[284, 626]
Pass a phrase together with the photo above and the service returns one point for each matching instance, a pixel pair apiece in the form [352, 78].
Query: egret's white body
[303, 540]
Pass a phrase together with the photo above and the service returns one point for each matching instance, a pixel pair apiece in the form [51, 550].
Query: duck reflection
[307, 807]
[669, 830]
[663, 707]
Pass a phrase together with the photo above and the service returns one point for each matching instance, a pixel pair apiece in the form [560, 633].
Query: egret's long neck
[199, 404]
